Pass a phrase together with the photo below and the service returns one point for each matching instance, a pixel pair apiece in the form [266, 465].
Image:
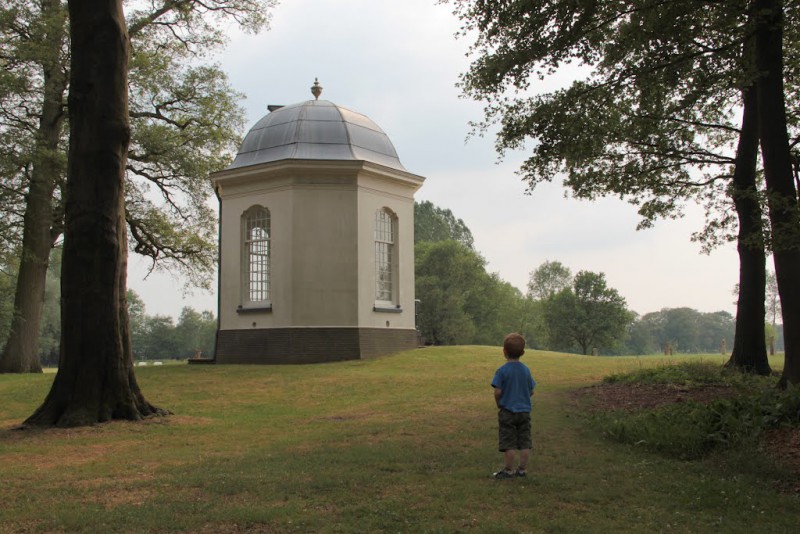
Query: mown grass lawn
[405, 443]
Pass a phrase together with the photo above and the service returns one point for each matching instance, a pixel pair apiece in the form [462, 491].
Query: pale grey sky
[397, 62]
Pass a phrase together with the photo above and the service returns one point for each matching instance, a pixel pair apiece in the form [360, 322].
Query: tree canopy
[652, 115]
[548, 279]
[185, 123]
[460, 302]
[587, 314]
[432, 223]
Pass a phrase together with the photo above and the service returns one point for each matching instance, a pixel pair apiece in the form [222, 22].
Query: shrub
[689, 373]
[691, 430]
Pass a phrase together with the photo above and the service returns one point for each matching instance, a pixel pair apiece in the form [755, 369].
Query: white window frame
[256, 265]
[386, 264]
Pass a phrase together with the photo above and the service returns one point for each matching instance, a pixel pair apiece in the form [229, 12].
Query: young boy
[513, 388]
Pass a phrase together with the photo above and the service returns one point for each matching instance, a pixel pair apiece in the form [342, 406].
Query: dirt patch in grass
[634, 397]
[782, 444]
[112, 498]
[15, 431]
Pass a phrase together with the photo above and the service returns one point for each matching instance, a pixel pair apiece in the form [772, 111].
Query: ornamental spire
[316, 89]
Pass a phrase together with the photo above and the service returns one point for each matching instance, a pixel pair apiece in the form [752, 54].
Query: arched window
[256, 255]
[385, 257]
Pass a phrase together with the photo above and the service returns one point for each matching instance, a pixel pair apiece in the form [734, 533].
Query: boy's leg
[524, 442]
[508, 470]
[508, 438]
[508, 457]
[507, 442]
[524, 454]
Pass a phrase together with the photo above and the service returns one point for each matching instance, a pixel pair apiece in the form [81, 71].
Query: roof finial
[316, 89]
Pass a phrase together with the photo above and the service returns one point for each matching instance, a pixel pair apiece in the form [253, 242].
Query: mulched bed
[783, 444]
[633, 397]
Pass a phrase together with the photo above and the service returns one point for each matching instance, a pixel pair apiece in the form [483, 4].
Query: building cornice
[292, 172]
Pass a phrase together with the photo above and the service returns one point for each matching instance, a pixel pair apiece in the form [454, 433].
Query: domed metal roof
[316, 130]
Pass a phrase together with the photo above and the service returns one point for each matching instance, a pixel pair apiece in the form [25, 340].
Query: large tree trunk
[749, 349]
[782, 195]
[21, 353]
[95, 380]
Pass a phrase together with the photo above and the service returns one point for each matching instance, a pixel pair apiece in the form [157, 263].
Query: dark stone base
[309, 345]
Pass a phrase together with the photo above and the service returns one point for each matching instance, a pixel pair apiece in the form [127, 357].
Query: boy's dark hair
[514, 345]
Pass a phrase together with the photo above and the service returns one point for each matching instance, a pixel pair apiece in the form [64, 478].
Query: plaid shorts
[514, 430]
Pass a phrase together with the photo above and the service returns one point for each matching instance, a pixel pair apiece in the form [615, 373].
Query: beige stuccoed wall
[231, 291]
[373, 195]
[322, 222]
[324, 256]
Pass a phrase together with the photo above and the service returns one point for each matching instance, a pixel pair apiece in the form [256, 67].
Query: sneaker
[502, 475]
[520, 473]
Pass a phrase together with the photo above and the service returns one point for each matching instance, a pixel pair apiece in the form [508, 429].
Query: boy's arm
[497, 394]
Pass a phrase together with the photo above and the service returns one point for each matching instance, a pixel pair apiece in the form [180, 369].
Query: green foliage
[157, 337]
[460, 302]
[652, 115]
[771, 298]
[185, 119]
[683, 330]
[8, 282]
[548, 279]
[589, 315]
[687, 373]
[32, 83]
[448, 277]
[690, 430]
[152, 337]
[160, 341]
[50, 330]
[773, 337]
[432, 224]
[195, 333]
[185, 124]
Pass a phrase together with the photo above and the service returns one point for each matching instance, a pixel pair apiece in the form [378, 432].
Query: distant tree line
[683, 330]
[461, 303]
[152, 336]
[159, 337]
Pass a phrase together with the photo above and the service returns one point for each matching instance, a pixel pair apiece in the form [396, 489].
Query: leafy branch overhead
[660, 103]
[185, 119]
[185, 123]
[649, 119]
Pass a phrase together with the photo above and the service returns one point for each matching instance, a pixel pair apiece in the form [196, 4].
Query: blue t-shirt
[516, 383]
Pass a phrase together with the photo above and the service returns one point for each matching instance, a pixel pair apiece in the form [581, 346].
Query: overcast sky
[397, 62]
